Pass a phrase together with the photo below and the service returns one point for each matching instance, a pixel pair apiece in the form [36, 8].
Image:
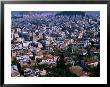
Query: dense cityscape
[55, 44]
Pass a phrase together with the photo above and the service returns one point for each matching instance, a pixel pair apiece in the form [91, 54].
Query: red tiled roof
[77, 70]
[90, 60]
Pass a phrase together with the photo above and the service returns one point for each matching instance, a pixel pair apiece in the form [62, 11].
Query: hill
[71, 13]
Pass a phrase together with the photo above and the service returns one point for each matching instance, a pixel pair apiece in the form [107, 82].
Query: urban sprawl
[55, 44]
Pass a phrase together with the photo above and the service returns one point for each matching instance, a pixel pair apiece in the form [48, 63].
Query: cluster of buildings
[36, 37]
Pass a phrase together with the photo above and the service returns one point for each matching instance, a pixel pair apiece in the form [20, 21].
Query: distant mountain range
[71, 13]
[92, 13]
